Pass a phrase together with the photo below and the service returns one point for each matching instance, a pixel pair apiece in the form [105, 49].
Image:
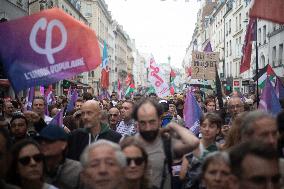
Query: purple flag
[46, 47]
[49, 100]
[30, 98]
[208, 47]
[72, 100]
[279, 88]
[41, 89]
[104, 95]
[268, 100]
[57, 119]
[192, 113]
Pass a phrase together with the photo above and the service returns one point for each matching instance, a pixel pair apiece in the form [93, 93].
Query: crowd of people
[140, 143]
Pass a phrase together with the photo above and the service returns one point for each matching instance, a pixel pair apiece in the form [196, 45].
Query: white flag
[157, 80]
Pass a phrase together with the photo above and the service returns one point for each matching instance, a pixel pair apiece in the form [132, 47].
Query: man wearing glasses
[235, 107]
[114, 116]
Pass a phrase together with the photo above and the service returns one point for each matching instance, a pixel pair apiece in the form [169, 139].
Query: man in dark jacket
[93, 130]
[61, 172]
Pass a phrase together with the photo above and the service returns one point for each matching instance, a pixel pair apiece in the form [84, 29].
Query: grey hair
[249, 120]
[120, 157]
[235, 97]
[215, 156]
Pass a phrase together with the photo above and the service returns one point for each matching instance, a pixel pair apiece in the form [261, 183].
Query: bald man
[93, 130]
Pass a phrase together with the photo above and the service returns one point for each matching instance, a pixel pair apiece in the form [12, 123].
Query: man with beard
[148, 116]
[18, 127]
[93, 130]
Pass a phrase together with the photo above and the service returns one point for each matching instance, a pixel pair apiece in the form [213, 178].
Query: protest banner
[203, 65]
[156, 79]
[46, 47]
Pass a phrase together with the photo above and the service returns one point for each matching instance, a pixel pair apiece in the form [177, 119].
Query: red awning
[4, 83]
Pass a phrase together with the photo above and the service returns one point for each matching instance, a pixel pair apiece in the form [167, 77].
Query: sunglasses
[27, 159]
[137, 160]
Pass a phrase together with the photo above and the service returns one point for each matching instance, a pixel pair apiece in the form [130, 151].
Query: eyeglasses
[114, 115]
[238, 106]
[27, 159]
[137, 160]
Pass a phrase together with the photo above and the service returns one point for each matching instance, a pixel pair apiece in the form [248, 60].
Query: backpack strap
[167, 145]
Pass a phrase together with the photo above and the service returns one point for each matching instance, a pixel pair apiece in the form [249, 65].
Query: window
[230, 47]
[259, 35]
[227, 49]
[236, 70]
[20, 2]
[264, 34]
[274, 56]
[227, 29]
[88, 10]
[274, 27]
[231, 65]
[237, 24]
[240, 21]
[237, 54]
[230, 26]
[280, 56]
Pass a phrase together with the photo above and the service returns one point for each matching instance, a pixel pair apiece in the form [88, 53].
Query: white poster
[157, 80]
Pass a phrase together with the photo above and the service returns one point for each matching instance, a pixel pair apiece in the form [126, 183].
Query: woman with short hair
[215, 171]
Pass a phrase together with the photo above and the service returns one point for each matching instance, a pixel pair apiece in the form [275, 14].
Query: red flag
[172, 90]
[128, 79]
[118, 85]
[272, 10]
[105, 69]
[105, 78]
[119, 89]
[188, 70]
[172, 74]
[247, 48]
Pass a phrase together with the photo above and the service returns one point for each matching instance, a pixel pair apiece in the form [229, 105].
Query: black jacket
[80, 138]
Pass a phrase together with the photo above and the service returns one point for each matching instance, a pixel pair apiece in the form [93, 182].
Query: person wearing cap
[61, 172]
[166, 116]
[137, 97]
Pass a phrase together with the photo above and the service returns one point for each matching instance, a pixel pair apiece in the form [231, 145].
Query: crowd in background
[140, 143]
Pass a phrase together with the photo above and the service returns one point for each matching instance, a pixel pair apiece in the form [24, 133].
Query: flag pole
[256, 64]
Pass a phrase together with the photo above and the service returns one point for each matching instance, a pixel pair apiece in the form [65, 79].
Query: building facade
[225, 27]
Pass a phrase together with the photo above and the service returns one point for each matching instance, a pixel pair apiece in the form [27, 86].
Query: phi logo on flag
[48, 50]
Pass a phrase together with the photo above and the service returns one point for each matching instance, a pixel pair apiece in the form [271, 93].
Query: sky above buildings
[163, 28]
